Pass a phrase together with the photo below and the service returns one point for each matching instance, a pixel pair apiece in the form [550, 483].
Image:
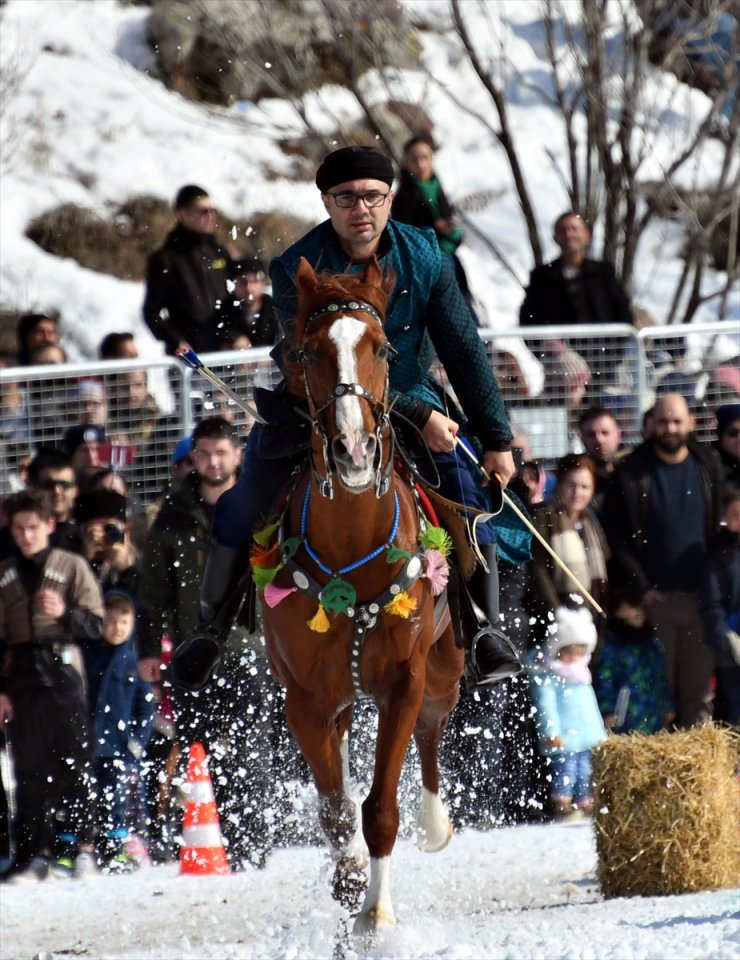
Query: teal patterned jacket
[426, 313]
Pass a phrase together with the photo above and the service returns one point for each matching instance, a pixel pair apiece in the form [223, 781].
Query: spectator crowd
[101, 568]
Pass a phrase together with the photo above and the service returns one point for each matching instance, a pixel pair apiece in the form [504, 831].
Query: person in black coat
[421, 201]
[577, 290]
[250, 311]
[186, 278]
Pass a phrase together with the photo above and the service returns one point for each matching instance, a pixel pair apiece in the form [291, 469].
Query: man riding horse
[426, 313]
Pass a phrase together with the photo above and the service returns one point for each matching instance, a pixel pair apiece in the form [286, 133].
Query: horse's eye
[383, 351]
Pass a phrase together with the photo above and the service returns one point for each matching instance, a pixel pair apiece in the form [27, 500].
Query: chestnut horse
[349, 547]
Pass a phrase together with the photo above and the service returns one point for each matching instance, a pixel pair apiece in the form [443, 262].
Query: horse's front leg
[316, 734]
[433, 825]
[397, 714]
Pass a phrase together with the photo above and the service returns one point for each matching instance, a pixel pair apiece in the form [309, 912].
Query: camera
[112, 533]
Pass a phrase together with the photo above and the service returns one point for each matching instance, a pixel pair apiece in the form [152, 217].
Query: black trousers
[51, 742]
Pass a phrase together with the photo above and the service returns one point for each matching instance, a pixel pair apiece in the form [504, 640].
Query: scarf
[574, 671]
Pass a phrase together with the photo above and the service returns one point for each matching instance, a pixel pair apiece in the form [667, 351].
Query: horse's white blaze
[344, 755]
[377, 910]
[433, 827]
[346, 333]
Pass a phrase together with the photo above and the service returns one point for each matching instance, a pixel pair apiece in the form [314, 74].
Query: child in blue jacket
[568, 720]
[631, 678]
[122, 708]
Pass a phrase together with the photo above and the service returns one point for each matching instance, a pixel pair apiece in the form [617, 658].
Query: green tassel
[264, 575]
[436, 538]
[396, 553]
[264, 535]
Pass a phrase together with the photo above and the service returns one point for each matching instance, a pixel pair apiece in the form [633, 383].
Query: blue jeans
[571, 775]
[240, 510]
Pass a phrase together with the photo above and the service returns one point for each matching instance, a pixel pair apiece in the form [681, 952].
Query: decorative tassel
[264, 556]
[436, 570]
[264, 575]
[265, 534]
[274, 595]
[319, 623]
[436, 538]
[402, 605]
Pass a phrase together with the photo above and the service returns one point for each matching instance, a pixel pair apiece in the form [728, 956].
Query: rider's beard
[217, 481]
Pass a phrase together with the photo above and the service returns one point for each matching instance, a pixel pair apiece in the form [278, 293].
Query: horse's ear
[305, 279]
[373, 275]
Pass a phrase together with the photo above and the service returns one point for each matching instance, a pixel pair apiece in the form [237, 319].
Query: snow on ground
[518, 892]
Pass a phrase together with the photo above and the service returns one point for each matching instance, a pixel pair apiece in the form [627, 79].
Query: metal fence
[546, 375]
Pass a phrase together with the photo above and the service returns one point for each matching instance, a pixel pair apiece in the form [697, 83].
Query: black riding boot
[226, 580]
[490, 656]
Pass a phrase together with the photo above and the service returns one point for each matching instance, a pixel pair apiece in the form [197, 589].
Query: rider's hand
[500, 463]
[439, 432]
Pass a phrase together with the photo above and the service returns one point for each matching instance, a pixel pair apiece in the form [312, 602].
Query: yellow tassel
[402, 605]
[319, 623]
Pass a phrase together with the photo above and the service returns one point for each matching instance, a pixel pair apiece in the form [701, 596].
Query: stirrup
[491, 659]
[194, 661]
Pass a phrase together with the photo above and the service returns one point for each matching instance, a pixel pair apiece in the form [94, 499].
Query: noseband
[325, 481]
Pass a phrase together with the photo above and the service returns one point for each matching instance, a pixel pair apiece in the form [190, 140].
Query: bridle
[379, 407]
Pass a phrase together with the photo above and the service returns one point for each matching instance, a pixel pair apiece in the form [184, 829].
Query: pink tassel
[436, 571]
[273, 595]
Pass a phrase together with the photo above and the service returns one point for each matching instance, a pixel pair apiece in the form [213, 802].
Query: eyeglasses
[372, 199]
[53, 484]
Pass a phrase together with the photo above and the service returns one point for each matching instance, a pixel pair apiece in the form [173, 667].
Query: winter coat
[634, 658]
[719, 598]
[548, 303]
[624, 513]
[564, 709]
[412, 207]
[121, 703]
[542, 595]
[172, 568]
[187, 278]
[426, 313]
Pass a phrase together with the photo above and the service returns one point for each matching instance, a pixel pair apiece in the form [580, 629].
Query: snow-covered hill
[89, 125]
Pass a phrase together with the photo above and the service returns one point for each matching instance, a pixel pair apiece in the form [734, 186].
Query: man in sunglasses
[186, 277]
[51, 474]
[426, 313]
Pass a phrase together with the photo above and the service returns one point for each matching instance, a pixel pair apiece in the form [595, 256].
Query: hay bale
[666, 812]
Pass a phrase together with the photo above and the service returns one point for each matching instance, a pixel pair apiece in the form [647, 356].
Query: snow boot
[226, 584]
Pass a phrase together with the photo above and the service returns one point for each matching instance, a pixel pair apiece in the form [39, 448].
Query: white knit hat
[571, 627]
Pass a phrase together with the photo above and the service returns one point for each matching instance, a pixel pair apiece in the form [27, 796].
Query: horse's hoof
[430, 841]
[373, 921]
[349, 883]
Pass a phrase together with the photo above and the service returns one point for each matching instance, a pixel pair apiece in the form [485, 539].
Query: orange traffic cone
[202, 850]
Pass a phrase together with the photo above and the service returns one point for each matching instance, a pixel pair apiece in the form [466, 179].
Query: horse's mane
[332, 287]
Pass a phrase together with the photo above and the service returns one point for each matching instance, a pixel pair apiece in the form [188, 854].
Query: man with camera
[104, 539]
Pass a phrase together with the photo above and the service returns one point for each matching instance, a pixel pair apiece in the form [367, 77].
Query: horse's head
[343, 354]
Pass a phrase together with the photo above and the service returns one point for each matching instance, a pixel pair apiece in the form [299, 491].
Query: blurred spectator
[133, 410]
[233, 715]
[118, 346]
[574, 289]
[251, 313]
[647, 430]
[122, 710]
[110, 479]
[420, 200]
[34, 329]
[51, 474]
[186, 277]
[86, 445]
[182, 461]
[14, 424]
[660, 512]
[90, 404]
[569, 723]
[105, 539]
[631, 679]
[602, 441]
[568, 524]
[727, 443]
[49, 605]
[720, 609]
[47, 353]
